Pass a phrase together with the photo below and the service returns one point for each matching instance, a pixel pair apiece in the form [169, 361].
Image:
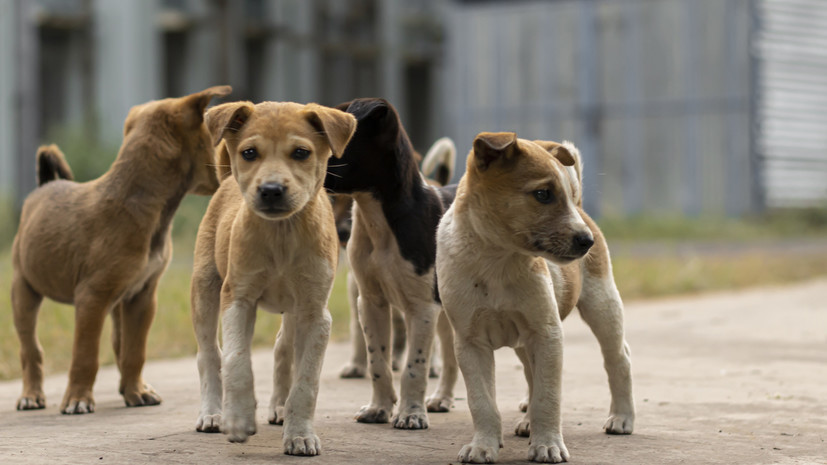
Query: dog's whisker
[333, 174]
[336, 166]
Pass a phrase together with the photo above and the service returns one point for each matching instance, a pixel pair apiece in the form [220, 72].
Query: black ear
[494, 147]
[227, 117]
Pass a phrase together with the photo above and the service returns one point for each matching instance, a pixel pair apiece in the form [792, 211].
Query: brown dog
[102, 245]
[267, 240]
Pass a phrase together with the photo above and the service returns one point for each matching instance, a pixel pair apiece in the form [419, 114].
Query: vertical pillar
[26, 115]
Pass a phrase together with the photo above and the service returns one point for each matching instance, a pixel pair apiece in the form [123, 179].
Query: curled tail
[51, 165]
[575, 172]
[438, 163]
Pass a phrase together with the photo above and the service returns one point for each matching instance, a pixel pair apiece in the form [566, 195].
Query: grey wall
[656, 94]
[8, 141]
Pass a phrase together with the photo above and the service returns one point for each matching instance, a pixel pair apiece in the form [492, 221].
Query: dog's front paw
[74, 405]
[620, 424]
[478, 453]
[141, 396]
[238, 427]
[208, 423]
[352, 370]
[276, 417]
[523, 428]
[439, 402]
[373, 414]
[31, 401]
[549, 451]
[524, 405]
[305, 444]
[411, 418]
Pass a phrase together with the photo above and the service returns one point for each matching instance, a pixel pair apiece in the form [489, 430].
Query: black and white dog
[392, 250]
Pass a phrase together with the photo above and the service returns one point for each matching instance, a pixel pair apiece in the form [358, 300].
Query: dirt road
[733, 378]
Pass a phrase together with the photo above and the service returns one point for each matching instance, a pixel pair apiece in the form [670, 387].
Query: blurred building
[679, 106]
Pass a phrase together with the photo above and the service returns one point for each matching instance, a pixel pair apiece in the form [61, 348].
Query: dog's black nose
[583, 242]
[271, 192]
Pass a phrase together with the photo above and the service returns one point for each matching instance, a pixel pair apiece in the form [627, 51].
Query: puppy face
[524, 188]
[278, 152]
[178, 136]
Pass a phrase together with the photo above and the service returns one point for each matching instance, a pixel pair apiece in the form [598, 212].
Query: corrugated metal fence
[656, 94]
[791, 101]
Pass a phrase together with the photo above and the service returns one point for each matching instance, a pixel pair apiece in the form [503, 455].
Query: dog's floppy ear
[558, 151]
[197, 102]
[490, 147]
[227, 117]
[336, 125]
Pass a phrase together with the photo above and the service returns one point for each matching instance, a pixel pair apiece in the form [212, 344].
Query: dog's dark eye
[249, 154]
[300, 154]
[543, 196]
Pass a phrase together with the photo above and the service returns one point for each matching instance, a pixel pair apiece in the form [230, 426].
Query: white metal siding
[791, 107]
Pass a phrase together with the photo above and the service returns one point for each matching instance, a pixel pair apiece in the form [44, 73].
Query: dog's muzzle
[581, 243]
[272, 197]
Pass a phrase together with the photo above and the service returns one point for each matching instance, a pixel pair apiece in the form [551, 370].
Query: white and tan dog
[518, 205]
[267, 240]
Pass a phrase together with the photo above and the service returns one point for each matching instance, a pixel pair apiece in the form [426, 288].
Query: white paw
[276, 416]
[475, 453]
[620, 424]
[352, 371]
[551, 451]
[31, 402]
[306, 444]
[76, 406]
[209, 423]
[523, 428]
[413, 418]
[373, 414]
[439, 403]
[238, 427]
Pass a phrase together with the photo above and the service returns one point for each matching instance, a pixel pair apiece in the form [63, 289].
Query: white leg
[441, 400]
[477, 365]
[282, 368]
[312, 332]
[357, 366]
[375, 317]
[400, 338]
[205, 311]
[545, 356]
[602, 309]
[239, 394]
[524, 426]
[421, 321]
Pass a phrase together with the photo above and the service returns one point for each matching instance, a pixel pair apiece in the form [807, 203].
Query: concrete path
[734, 378]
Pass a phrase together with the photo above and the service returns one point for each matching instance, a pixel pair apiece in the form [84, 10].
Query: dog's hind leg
[282, 368]
[206, 292]
[374, 313]
[91, 308]
[135, 320]
[26, 305]
[357, 366]
[601, 308]
[441, 400]
[400, 338]
[523, 427]
[422, 320]
[311, 333]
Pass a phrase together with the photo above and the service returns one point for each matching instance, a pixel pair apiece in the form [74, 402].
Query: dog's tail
[439, 161]
[51, 165]
[575, 173]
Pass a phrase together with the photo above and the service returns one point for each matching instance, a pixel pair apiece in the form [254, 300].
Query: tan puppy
[267, 240]
[517, 206]
[103, 245]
